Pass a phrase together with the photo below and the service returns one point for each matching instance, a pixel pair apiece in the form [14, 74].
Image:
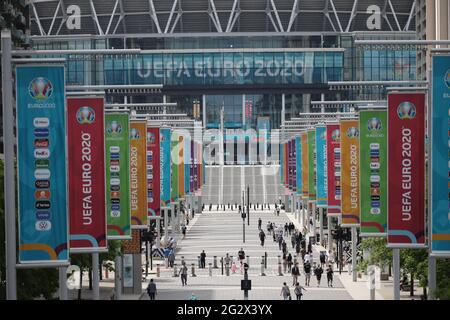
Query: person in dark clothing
[289, 262]
[322, 258]
[241, 255]
[151, 290]
[259, 223]
[330, 276]
[202, 259]
[307, 270]
[295, 271]
[318, 273]
[262, 237]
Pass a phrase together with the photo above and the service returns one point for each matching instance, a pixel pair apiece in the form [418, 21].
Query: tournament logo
[40, 88]
[85, 115]
[150, 137]
[134, 134]
[114, 127]
[335, 135]
[323, 135]
[406, 110]
[352, 132]
[374, 124]
[447, 78]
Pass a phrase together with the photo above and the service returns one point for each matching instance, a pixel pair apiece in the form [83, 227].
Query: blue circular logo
[406, 110]
[40, 88]
[114, 127]
[352, 132]
[85, 115]
[374, 124]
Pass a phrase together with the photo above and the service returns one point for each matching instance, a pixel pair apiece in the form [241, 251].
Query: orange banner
[305, 177]
[138, 174]
[350, 171]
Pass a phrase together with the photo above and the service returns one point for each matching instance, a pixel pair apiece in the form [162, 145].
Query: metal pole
[62, 283]
[354, 251]
[118, 277]
[248, 204]
[158, 232]
[330, 238]
[396, 267]
[245, 291]
[166, 224]
[8, 146]
[431, 278]
[321, 225]
[95, 277]
[243, 230]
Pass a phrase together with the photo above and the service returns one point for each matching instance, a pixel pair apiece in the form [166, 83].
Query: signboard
[138, 172]
[334, 169]
[86, 164]
[42, 172]
[440, 151]
[298, 164]
[117, 141]
[312, 164]
[406, 156]
[305, 180]
[373, 172]
[164, 137]
[321, 166]
[350, 172]
[128, 270]
[153, 172]
[133, 245]
[294, 167]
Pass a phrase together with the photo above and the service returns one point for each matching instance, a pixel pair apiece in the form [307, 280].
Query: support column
[330, 238]
[396, 267]
[313, 214]
[95, 277]
[118, 277]
[62, 283]
[204, 110]
[354, 251]
[9, 182]
[431, 278]
[321, 225]
[158, 232]
[166, 224]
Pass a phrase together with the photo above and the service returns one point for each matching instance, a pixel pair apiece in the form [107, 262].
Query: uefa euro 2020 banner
[440, 151]
[406, 152]
[334, 169]
[305, 180]
[174, 154]
[298, 164]
[153, 172]
[117, 141]
[294, 167]
[350, 172]
[138, 174]
[42, 172]
[86, 162]
[312, 164]
[321, 166]
[164, 136]
[373, 172]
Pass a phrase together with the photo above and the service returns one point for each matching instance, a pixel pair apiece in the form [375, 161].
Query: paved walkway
[218, 233]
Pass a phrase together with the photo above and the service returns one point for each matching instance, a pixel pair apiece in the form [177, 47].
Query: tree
[380, 255]
[443, 279]
[415, 263]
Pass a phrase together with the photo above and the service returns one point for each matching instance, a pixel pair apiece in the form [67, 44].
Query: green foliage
[379, 254]
[443, 279]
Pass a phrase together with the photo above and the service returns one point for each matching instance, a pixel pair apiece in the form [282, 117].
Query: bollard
[210, 269]
[279, 266]
[175, 270]
[193, 270]
[158, 270]
[262, 266]
[248, 261]
[215, 262]
[199, 263]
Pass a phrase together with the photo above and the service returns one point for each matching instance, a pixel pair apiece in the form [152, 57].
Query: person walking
[307, 270]
[241, 256]
[330, 276]
[298, 291]
[284, 262]
[284, 247]
[286, 227]
[183, 274]
[151, 290]
[171, 258]
[203, 259]
[322, 258]
[262, 237]
[295, 273]
[289, 262]
[293, 241]
[183, 231]
[280, 241]
[285, 292]
[297, 248]
[259, 223]
[318, 273]
[269, 225]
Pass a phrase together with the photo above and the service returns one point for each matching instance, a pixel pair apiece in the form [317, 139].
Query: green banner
[312, 164]
[117, 144]
[373, 171]
[174, 151]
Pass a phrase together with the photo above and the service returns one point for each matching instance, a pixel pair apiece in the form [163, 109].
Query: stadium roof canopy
[168, 17]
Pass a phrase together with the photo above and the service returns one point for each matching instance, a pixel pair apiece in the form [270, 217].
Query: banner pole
[158, 232]
[431, 278]
[118, 277]
[396, 269]
[330, 238]
[321, 225]
[9, 184]
[95, 277]
[62, 274]
[354, 240]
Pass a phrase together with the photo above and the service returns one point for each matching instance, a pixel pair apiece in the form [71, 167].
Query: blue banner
[321, 166]
[440, 152]
[164, 134]
[42, 172]
[298, 164]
